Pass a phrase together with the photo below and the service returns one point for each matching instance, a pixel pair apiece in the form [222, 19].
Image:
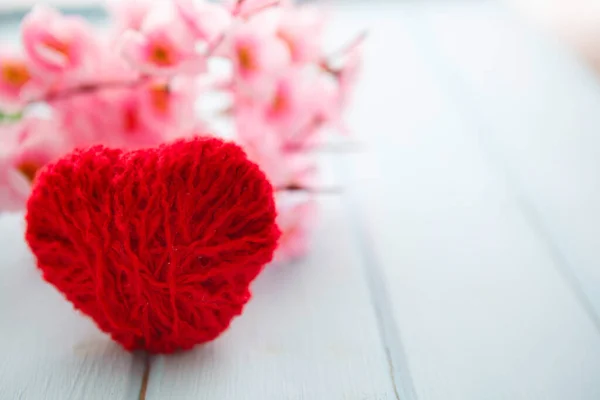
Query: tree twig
[294, 187]
[257, 10]
[86, 88]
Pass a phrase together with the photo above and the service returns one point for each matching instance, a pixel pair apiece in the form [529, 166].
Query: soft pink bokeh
[138, 84]
[163, 45]
[57, 44]
[25, 147]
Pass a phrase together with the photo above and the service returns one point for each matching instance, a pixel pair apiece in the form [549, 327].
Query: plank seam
[145, 377]
[389, 332]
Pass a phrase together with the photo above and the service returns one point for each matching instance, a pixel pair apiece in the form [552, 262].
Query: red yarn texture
[158, 246]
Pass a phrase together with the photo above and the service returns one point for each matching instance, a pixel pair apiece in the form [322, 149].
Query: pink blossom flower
[301, 29]
[297, 105]
[280, 91]
[337, 87]
[112, 117]
[265, 151]
[282, 169]
[131, 129]
[169, 106]
[129, 14]
[38, 142]
[145, 114]
[25, 148]
[349, 74]
[264, 146]
[207, 21]
[15, 78]
[329, 106]
[14, 187]
[292, 100]
[246, 7]
[257, 54]
[111, 68]
[295, 222]
[57, 44]
[163, 46]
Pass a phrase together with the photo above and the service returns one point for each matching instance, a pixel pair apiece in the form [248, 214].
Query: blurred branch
[327, 61]
[257, 10]
[293, 187]
[347, 147]
[87, 88]
[357, 41]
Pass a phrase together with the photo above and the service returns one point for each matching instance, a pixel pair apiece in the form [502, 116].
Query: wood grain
[539, 120]
[48, 350]
[482, 308]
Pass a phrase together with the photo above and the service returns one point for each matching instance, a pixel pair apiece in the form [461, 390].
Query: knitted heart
[158, 246]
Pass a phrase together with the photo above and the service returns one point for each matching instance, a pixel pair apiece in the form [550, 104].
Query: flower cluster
[251, 70]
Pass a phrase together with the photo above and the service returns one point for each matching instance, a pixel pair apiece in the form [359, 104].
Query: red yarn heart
[158, 246]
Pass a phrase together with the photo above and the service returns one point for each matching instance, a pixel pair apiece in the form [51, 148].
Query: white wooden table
[461, 262]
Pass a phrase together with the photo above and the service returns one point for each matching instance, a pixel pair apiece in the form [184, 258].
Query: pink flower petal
[301, 29]
[162, 47]
[257, 55]
[295, 222]
[129, 14]
[15, 80]
[55, 43]
[26, 146]
[207, 21]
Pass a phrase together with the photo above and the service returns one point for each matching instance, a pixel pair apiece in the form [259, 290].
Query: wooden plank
[48, 350]
[308, 333]
[539, 116]
[481, 307]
